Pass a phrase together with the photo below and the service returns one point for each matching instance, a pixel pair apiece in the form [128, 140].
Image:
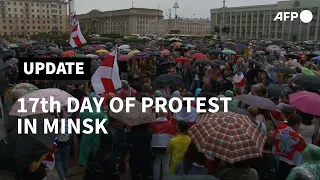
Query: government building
[30, 17]
[257, 22]
[125, 21]
[188, 26]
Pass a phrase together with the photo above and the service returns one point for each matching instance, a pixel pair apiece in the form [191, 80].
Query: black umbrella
[169, 80]
[167, 63]
[285, 70]
[307, 81]
[313, 54]
[241, 111]
[292, 55]
[255, 62]
[17, 151]
[271, 58]
[4, 81]
[205, 62]
[274, 90]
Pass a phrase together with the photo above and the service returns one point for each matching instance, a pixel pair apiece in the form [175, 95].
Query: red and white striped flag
[106, 78]
[76, 38]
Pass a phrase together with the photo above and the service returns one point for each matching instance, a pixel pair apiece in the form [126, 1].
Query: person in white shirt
[307, 129]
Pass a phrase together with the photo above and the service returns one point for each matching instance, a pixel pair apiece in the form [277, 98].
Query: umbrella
[228, 136]
[214, 52]
[38, 52]
[307, 71]
[69, 82]
[174, 39]
[12, 62]
[167, 63]
[182, 60]
[292, 55]
[228, 51]
[92, 56]
[58, 95]
[306, 102]
[153, 53]
[124, 58]
[131, 53]
[13, 46]
[314, 54]
[79, 56]
[17, 151]
[274, 90]
[205, 50]
[259, 102]
[230, 45]
[176, 44]
[273, 48]
[165, 52]
[198, 56]
[39, 47]
[140, 55]
[307, 81]
[271, 58]
[102, 51]
[317, 58]
[124, 46]
[255, 62]
[190, 46]
[206, 61]
[135, 116]
[285, 70]
[169, 80]
[261, 53]
[69, 53]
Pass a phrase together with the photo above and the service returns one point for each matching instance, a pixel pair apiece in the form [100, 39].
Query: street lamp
[175, 6]
[223, 25]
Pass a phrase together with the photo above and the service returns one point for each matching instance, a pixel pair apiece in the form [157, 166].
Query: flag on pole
[106, 78]
[76, 38]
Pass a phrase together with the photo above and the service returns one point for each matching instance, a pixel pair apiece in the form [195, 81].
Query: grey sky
[201, 8]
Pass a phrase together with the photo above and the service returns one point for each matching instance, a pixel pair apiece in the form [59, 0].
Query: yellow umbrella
[131, 53]
[102, 51]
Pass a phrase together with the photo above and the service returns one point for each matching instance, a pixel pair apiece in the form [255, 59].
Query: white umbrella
[92, 56]
[125, 46]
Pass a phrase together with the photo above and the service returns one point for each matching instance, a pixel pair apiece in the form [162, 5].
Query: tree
[216, 29]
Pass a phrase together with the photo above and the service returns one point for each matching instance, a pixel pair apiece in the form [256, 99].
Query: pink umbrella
[57, 94]
[124, 58]
[306, 102]
[165, 52]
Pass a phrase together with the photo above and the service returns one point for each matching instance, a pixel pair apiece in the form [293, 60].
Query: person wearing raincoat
[310, 169]
[90, 141]
[233, 103]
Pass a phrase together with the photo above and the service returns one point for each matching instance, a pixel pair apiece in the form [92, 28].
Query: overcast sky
[187, 8]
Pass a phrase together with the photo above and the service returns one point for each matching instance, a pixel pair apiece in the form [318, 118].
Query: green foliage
[117, 36]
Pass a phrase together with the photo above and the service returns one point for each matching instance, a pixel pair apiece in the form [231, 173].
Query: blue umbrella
[214, 52]
[316, 58]
[228, 51]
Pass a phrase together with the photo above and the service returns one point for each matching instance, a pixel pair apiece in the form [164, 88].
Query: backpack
[268, 167]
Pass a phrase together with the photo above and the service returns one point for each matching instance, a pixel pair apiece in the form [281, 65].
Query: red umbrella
[182, 60]
[69, 53]
[228, 136]
[198, 56]
[306, 102]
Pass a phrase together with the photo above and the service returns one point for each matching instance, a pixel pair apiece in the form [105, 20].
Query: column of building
[276, 29]
[257, 28]
[251, 25]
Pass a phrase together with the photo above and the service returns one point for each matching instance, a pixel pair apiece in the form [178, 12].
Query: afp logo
[306, 16]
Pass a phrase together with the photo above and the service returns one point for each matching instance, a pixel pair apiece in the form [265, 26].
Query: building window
[48, 27]
[8, 3]
[10, 27]
[43, 16]
[32, 10]
[38, 16]
[10, 21]
[14, 3]
[22, 21]
[38, 27]
[37, 5]
[4, 21]
[38, 10]
[59, 6]
[28, 21]
[48, 16]
[21, 10]
[28, 27]
[43, 22]
[47, 5]
[9, 9]
[42, 6]
[54, 11]
[31, 4]
[60, 22]
[60, 11]
[22, 27]
[21, 15]
[48, 22]
[26, 4]
[4, 27]
[33, 27]
[27, 16]
[43, 11]
[3, 16]
[9, 15]
[32, 16]
[38, 22]
[54, 5]
[48, 12]
[43, 27]
[60, 27]
[33, 22]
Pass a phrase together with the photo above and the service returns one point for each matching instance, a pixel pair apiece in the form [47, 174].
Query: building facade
[125, 21]
[257, 22]
[30, 17]
[187, 26]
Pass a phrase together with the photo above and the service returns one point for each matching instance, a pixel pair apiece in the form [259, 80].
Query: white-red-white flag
[76, 38]
[106, 78]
